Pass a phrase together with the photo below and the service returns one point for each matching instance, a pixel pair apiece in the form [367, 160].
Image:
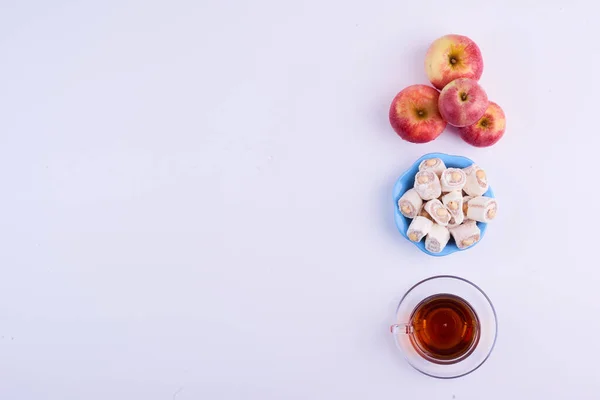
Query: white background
[196, 198]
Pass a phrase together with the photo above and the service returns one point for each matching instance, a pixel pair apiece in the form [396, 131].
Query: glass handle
[402, 329]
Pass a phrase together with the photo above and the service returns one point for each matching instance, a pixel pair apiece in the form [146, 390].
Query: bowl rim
[400, 188]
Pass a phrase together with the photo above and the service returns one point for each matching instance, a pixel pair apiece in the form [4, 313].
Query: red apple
[462, 102]
[451, 57]
[414, 114]
[488, 130]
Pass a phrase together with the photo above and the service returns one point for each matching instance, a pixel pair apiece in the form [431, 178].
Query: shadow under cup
[445, 326]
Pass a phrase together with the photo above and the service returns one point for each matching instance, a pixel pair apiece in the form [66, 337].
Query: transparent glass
[487, 326]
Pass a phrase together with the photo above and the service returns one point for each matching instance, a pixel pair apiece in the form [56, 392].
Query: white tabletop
[197, 198]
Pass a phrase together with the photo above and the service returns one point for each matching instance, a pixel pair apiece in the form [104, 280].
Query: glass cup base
[481, 305]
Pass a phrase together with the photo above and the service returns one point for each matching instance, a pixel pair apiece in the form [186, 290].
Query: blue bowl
[406, 182]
